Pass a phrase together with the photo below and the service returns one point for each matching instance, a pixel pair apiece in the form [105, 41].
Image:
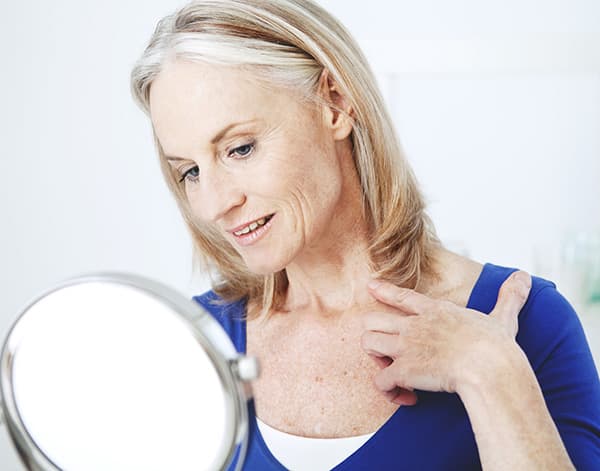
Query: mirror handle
[246, 368]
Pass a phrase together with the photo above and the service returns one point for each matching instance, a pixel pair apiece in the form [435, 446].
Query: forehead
[196, 99]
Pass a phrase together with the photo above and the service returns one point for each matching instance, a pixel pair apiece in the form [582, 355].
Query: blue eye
[242, 152]
[190, 175]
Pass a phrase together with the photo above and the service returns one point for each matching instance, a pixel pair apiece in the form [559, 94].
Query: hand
[434, 345]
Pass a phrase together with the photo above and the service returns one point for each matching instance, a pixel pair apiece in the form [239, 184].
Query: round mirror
[118, 372]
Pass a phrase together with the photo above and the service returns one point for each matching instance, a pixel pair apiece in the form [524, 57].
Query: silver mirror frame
[234, 370]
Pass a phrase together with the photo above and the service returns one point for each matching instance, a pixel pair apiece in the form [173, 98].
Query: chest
[435, 434]
[316, 381]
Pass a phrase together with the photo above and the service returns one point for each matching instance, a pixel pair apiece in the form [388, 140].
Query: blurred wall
[497, 104]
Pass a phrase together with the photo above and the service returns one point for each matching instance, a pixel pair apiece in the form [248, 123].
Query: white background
[497, 104]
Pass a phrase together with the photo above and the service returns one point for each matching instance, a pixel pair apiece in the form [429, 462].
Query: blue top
[436, 434]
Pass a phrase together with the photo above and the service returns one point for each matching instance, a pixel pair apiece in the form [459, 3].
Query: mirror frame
[232, 368]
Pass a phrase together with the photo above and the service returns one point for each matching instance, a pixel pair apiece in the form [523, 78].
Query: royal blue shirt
[435, 434]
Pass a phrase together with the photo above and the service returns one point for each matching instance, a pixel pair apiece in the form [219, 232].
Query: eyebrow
[219, 136]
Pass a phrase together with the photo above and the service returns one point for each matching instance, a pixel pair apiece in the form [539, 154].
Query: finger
[406, 300]
[382, 362]
[380, 321]
[387, 379]
[511, 297]
[380, 344]
[402, 396]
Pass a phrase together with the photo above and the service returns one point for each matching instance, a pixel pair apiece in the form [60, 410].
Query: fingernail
[374, 284]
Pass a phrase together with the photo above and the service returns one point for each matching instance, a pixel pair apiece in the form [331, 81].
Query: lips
[249, 227]
[244, 235]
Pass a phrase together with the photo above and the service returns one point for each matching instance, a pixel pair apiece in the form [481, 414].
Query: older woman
[379, 348]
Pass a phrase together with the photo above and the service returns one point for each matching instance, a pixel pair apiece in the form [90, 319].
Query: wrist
[494, 368]
[508, 412]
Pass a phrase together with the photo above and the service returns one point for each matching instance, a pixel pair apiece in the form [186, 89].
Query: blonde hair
[289, 43]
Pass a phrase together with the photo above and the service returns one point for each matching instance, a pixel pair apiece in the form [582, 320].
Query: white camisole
[298, 453]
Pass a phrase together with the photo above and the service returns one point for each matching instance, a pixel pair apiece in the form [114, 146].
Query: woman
[374, 341]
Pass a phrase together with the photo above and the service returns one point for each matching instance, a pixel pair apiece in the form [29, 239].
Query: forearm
[512, 426]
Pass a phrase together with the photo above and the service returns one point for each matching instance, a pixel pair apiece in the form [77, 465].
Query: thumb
[511, 298]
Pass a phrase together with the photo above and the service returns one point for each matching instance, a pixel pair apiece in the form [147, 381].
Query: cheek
[312, 195]
[193, 198]
[308, 181]
[302, 172]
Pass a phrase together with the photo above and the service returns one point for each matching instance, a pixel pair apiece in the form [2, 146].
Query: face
[257, 163]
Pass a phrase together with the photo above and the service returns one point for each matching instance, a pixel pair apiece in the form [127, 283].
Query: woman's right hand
[436, 345]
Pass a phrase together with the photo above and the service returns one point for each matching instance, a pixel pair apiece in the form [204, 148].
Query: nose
[218, 194]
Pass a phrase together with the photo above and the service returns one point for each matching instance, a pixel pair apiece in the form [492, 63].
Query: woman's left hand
[436, 345]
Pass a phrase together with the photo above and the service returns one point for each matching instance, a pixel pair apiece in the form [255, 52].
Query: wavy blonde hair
[289, 43]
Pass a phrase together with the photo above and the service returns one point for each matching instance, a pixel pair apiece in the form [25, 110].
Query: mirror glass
[105, 375]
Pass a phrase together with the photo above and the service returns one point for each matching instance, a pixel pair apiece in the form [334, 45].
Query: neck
[332, 281]
[332, 272]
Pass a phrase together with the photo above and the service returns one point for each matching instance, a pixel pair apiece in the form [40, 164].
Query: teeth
[251, 227]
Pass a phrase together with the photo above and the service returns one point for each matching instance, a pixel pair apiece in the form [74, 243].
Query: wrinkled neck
[331, 282]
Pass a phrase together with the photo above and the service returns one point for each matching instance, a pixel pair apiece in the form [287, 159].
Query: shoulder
[545, 320]
[550, 332]
[230, 315]
[485, 290]
[548, 325]
[219, 307]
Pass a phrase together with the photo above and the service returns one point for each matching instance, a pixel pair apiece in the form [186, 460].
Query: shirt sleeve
[230, 315]
[553, 339]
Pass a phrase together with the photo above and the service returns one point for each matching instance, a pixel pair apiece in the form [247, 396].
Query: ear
[338, 114]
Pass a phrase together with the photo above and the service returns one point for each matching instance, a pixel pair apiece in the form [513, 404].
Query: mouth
[252, 231]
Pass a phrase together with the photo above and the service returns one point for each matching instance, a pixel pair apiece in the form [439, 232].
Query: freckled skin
[316, 378]
[313, 383]
[302, 170]
[294, 171]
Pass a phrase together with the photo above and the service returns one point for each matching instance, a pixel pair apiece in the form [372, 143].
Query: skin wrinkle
[345, 257]
[304, 173]
[294, 128]
[302, 170]
[315, 236]
[336, 174]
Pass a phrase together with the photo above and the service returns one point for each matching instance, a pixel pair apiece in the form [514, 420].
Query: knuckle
[411, 325]
[385, 380]
[367, 320]
[518, 284]
[402, 295]
[364, 340]
[378, 380]
[446, 306]
[396, 347]
[515, 290]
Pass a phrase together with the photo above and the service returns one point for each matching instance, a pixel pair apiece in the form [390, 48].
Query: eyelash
[250, 145]
[236, 150]
[184, 175]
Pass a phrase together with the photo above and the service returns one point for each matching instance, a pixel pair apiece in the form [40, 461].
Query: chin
[263, 269]
[264, 265]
